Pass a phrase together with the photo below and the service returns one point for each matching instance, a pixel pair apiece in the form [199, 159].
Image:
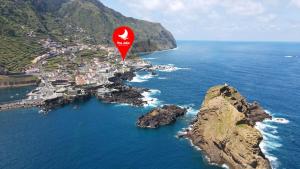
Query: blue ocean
[95, 135]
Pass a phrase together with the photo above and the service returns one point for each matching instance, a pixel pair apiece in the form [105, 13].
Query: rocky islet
[224, 129]
[160, 116]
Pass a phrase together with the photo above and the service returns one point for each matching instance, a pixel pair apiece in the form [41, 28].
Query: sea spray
[148, 97]
[271, 139]
[149, 58]
[190, 109]
[167, 68]
[142, 78]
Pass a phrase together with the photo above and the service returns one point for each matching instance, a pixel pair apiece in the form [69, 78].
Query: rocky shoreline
[124, 94]
[224, 130]
[115, 92]
[160, 116]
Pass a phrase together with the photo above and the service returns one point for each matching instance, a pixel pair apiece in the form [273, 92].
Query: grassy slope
[16, 48]
[84, 21]
[102, 20]
[16, 53]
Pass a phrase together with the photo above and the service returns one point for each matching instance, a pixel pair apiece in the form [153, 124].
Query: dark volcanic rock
[256, 113]
[120, 77]
[124, 94]
[253, 111]
[121, 93]
[161, 116]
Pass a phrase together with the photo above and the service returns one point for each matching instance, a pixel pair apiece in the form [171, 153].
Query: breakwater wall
[20, 104]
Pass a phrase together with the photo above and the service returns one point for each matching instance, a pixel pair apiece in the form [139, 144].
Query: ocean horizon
[93, 134]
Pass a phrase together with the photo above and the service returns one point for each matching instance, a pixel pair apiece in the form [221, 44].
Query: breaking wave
[172, 68]
[151, 101]
[190, 109]
[167, 68]
[271, 139]
[290, 56]
[142, 78]
[150, 58]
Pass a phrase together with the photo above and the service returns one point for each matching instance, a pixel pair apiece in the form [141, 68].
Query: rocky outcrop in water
[124, 94]
[161, 116]
[224, 129]
[119, 78]
[118, 92]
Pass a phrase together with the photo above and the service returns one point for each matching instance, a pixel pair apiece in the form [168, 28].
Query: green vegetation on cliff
[16, 53]
[18, 80]
[224, 129]
[24, 22]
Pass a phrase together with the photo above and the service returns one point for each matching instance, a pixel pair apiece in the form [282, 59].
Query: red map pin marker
[123, 38]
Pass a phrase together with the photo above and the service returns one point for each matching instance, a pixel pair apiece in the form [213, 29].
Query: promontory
[225, 129]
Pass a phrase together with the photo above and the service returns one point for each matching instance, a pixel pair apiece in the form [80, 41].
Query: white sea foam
[225, 166]
[167, 68]
[150, 58]
[290, 56]
[271, 139]
[162, 78]
[148, 97]
[269, 142]
[122, 104]
[190, 109]
[280, 120]
[41, 111]
[142, 78]
[277, 119]
[196, 147]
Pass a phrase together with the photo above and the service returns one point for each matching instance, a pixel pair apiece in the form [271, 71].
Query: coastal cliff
[224, 129]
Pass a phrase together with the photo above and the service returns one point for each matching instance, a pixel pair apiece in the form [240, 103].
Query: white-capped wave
[141, 78]
[280, 120]
[271, 139]
[225, 166]
[162, 78]
[121, 104]
[270, 142]
[168, 68]
[190, 109]
[290, 56]
[148, 97]
[150, 58]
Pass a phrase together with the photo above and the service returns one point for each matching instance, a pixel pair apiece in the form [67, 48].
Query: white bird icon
[124, 36]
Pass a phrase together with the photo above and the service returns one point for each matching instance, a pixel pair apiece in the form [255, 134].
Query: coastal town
[69, 73]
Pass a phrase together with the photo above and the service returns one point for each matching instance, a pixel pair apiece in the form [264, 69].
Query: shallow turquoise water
[97, 135]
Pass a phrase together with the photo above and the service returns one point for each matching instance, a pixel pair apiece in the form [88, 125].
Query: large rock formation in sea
[25, 22]
[119, 92]
[224, 129]
[160, 116]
